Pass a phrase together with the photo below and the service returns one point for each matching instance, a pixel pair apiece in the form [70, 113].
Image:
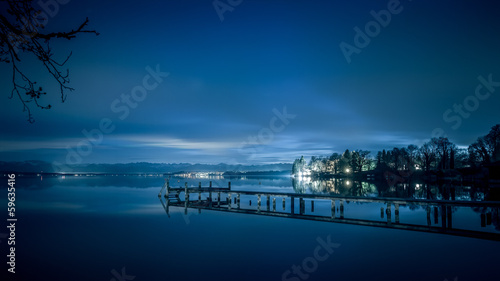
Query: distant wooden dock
[293, 205]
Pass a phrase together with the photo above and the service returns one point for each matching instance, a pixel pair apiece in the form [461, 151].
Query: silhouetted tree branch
[21, 31]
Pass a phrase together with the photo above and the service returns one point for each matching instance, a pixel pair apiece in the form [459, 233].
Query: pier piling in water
[388, 212]
[333, 208]
[428, 210]
[396, 212]
[341, 209]
[448, 216]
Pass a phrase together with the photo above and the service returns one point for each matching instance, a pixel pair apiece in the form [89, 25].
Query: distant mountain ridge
[36, 166]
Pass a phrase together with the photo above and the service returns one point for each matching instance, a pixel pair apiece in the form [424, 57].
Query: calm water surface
[116, 228]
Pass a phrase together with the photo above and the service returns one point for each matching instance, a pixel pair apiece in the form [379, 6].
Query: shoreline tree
[486, 149]
[437, 154]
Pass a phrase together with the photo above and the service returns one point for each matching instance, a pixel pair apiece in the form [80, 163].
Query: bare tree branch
[20, 26]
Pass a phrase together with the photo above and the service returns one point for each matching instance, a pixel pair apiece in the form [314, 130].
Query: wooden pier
[304, 206]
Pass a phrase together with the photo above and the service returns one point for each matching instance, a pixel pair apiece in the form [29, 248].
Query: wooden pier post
[333, 208]
[312, 206]
[210, 198]
[341, 209]
[388, 212]
[274, 204]
[186, 198]
[199, 192]
[268, 202]
[283, 203]
[381, 212]
[292, 206]
[443, 216]
[168, 189]
[218, 199]
[167, 208]
[448, 216]
[396, 212]
[229, 201]
[301, 205]
[238, 200]
[258, 203]
[428, 210]
[229, 185]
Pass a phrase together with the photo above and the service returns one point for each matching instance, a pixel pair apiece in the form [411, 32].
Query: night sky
[262, 82]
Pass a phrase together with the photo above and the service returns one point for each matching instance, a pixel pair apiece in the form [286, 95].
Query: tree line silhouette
[437, 154]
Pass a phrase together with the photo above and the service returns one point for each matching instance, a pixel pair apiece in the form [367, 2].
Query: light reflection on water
[83, 228]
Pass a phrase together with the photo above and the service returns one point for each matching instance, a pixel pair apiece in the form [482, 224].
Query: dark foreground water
[116, 228]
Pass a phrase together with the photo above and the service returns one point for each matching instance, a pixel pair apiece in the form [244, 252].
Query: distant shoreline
[179, 174]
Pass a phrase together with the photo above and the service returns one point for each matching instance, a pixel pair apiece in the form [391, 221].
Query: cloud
[172, 142]
[37, 144]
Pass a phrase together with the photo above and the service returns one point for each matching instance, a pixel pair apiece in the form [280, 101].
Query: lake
[118, 228]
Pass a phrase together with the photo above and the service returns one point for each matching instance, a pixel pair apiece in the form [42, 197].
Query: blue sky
[228, 79]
